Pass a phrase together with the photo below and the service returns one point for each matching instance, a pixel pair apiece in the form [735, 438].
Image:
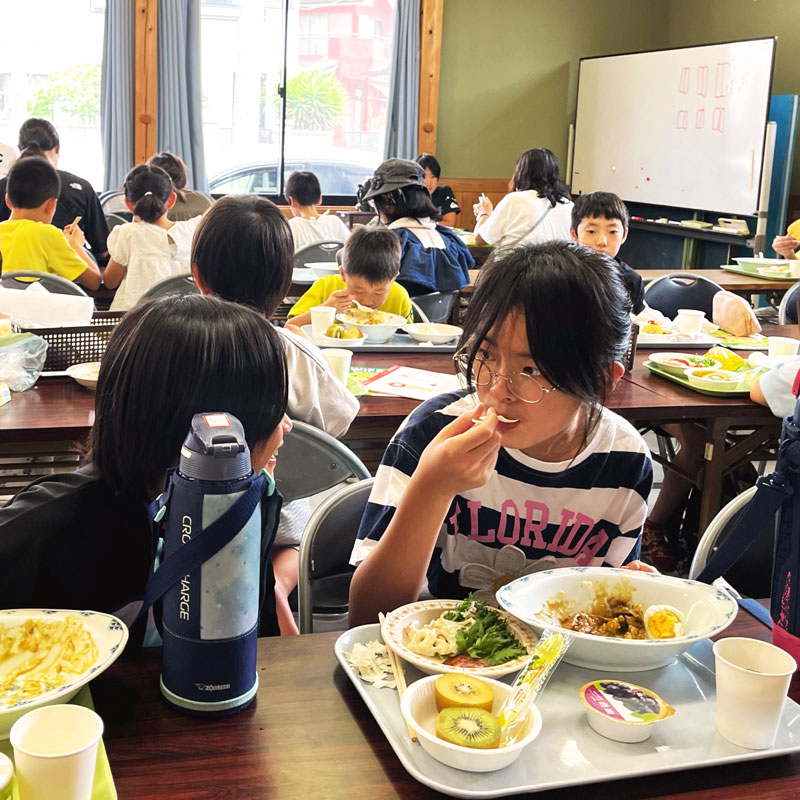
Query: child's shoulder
[618, 434]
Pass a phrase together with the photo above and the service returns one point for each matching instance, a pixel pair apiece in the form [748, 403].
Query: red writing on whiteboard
[722, 84]
[683, 84]
[700, 118]
[683, 120]
[702, 81]
[718, 120]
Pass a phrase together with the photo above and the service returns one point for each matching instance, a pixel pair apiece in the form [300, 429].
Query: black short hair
[148, 188]
[169, 359]
[538, 169]
[38, 133]
[427, 161]
[410, 201]
[599, 204]
[372, 254]
[244, 251]
[534, 279]
[304, 187]
[31, 182]
[174, 167]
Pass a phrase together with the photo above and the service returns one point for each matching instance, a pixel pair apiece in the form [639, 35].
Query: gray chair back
[319, 251]
[113, 201]
[113, 220]
[312, 461]
[324, 571]
[787, 310]
[175, 284]
[22, 279]
[436, 306]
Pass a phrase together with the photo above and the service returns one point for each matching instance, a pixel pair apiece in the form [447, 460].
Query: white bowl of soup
[571, 597]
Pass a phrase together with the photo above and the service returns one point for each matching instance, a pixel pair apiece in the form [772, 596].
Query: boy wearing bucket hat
[433, 258]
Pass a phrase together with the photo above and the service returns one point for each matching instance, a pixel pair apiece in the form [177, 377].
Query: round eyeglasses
[523, 386]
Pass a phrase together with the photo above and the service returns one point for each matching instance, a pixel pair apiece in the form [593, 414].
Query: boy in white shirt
[308, 226]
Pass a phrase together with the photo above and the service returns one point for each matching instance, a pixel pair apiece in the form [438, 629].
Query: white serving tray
[568, 752]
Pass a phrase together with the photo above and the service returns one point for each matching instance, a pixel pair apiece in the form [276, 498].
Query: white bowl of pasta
[46, 656]
[417, 633]
[377, 326]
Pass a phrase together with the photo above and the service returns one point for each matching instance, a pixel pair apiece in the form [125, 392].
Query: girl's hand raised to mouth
[463, 453]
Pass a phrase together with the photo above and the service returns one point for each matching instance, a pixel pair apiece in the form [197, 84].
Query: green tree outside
[74, 91]
[315, 101]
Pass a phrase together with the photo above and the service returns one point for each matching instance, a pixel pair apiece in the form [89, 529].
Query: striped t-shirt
[587, 512]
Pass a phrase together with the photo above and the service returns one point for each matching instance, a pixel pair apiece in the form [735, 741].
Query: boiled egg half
[663, 622]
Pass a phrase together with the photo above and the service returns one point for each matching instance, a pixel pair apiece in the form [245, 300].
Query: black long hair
[148, 188]
[174, 167]
[573, 350]
[169, 359]
[244, 251]
[410, 201]
[538, 169]
[36, 136]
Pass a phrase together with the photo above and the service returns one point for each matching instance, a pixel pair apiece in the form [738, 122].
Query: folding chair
[672, 292]
[436, 306]
[175, 284]
[324, 571]
[319, 251]
[787, 310]
[22, 279]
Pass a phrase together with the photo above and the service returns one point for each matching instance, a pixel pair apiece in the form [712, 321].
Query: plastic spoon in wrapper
[530, 683]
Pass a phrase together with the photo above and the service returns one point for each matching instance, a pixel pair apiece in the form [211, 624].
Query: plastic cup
[55, 750]
[339, 362]
[794, 268]
[690, 321]
[782, 346]
[321, 319]
[752, 682]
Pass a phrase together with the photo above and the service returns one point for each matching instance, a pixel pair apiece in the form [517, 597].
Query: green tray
[740, 390]
[752, 272]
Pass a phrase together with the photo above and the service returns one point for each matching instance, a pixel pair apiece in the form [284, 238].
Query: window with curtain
[50, 62]
[334, 59]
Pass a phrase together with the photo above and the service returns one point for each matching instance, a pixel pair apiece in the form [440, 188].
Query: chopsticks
[399, 675]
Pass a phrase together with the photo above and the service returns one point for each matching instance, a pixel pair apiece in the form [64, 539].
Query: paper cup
[55, 750]
[321, 319]
[339, 362]
[690, 321]
[6, 775]
[752, 682]
[782, 346]
[794, 268]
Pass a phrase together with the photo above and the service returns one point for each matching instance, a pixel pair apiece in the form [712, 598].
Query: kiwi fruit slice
[468, 727]
[463, 691]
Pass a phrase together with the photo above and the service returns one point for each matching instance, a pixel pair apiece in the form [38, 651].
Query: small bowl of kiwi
[455, 718]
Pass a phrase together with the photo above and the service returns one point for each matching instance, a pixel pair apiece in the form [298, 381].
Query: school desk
[310, 735]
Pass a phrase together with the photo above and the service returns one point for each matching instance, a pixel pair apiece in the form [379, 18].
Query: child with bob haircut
[304, 195]
[525, 469]
[152, 247]
[537, 209]
[600, 222]
[370, 266]
[83, 539]
[28, 240]
[242, 252]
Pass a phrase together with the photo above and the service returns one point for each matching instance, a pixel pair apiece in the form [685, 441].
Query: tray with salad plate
[674, 341]
[399, 342]
[717, 383]
[568, 752]
[776, 272]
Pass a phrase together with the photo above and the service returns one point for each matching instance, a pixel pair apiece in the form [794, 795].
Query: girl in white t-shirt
[152, 247]
[308, 226]
[538, 209]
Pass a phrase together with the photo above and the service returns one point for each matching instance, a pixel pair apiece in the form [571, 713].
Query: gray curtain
[402, 115]
[116, 94]
[179, 120]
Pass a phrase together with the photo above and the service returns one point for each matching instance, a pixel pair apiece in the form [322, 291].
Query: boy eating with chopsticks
[28, 241]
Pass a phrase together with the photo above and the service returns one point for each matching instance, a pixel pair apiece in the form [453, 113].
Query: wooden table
[309, 735]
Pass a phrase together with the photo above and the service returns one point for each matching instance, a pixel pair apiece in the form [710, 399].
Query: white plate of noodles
[401, 632]
[47, 655]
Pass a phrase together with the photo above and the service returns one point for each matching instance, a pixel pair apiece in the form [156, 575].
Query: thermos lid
[215, 449]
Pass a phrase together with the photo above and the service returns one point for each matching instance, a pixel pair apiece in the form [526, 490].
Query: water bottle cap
[215, 448]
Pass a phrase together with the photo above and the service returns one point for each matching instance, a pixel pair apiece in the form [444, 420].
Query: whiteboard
[681, 127]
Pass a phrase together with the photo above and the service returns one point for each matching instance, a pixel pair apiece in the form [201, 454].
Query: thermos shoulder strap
[202, 547]
[766, 501]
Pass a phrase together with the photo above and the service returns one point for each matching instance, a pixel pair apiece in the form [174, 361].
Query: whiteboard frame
[571, 149]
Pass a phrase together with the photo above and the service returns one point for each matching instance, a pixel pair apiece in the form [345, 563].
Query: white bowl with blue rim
[541, 599]
[109, 635]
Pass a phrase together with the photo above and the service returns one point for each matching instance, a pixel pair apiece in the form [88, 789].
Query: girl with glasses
[525, 469]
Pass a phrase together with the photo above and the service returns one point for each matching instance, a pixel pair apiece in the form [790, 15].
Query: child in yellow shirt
[27, 239]
[370, 265]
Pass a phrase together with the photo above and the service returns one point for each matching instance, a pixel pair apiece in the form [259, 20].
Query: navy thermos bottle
[210, 615]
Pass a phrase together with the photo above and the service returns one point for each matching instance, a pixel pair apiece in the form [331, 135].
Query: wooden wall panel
[467, 191]
[144, 130]
[429, 66]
